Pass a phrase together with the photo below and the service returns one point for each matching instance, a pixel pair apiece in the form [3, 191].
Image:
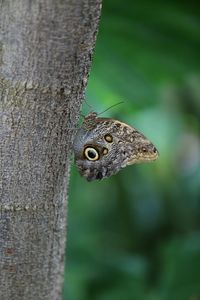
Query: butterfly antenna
[110, 107]
[90, 107]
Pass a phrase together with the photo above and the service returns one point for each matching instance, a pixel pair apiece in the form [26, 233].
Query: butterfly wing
[103, 146]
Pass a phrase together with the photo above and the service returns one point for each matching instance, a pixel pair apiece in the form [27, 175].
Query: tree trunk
[45, 56]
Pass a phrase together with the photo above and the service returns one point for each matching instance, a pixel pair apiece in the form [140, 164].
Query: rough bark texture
[45, 55]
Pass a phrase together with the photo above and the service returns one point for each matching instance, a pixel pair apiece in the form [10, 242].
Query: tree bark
[45, 56]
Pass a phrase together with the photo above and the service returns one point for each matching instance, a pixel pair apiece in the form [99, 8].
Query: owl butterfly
[103, 146]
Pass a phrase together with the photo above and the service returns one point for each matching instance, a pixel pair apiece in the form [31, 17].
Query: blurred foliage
[136, 235]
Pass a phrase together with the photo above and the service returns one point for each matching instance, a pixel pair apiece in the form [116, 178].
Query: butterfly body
[103, 146]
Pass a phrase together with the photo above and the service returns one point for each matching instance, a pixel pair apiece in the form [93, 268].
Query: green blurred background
[136, 235]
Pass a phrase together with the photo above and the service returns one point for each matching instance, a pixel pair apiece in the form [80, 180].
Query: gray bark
[45, 56]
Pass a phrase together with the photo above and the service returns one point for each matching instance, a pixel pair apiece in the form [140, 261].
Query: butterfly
[103, 146]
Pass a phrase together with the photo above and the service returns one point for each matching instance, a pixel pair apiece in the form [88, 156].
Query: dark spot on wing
[155, 150]
[99, 176]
